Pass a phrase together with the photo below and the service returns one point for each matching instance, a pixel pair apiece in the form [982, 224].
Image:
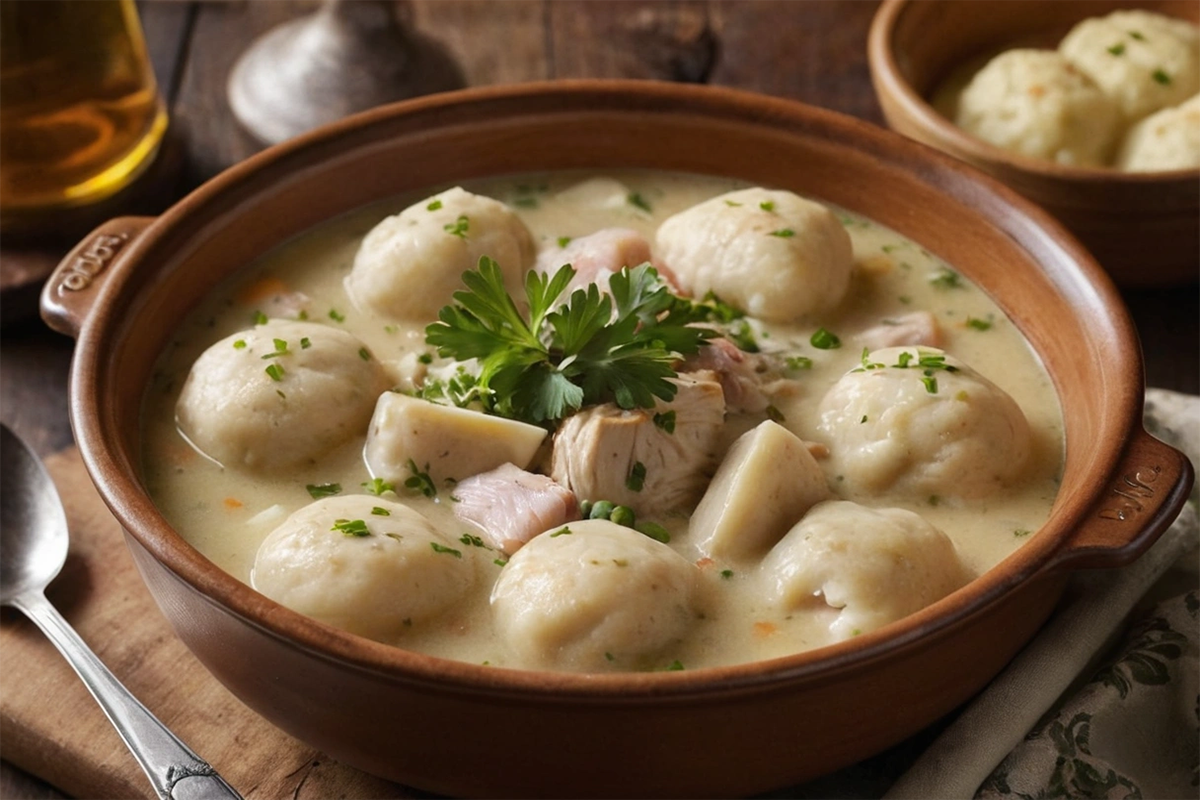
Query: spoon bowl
[33, 547]
[33, 525]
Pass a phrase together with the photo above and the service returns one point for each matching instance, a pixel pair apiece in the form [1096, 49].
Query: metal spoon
[33, 547]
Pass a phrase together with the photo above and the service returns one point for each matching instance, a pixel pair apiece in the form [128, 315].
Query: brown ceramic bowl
[1144, 228]
[467, 729]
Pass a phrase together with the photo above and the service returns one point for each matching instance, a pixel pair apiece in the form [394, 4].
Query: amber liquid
[80, 114]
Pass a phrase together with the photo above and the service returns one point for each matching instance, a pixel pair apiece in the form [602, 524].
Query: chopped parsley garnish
[275, 372]
[260, 318]
[1020, 532]
[563, 531]
[240, 344]
[281, 349]
[441, 548]
[391, 328]
[934, 500]
[550, 362]
[825, 340]
[499, 562]
[434, 206]
[302, 315]
[665, 420]
[946, 278]
[638, 201]
[889, 248]
[380, 512]
[319, 490]
[675, 666]
[425, 358]
[336, 315]
[459, 227]
[775, 415]
[733, 203]
[305, 343]
[1161, 77]
[742, 335]
[726, 574]
[1137, 35]
[863, 420]
[798, 362]
[364, 354]
[636, 478]
[460, 390]
[783, 233]
[526, 202]
[717, 310]
[471, 540]
[979, 324]
[563, 241]
[767, 205]
[377, 486]
[351, 527]
[610, 656]
[1117, 49]
[420, 481]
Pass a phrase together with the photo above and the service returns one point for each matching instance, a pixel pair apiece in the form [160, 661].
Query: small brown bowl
[1144, 228]
[468, 729]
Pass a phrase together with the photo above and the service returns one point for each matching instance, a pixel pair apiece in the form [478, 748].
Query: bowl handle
[72, 288]
[1141, 499]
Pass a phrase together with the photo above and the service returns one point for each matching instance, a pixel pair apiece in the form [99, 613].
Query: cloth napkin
[1072, 716]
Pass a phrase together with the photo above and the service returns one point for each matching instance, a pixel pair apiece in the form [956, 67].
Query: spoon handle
[175, 771]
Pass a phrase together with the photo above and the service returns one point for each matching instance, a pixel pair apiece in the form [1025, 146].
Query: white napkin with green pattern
[1072, 716]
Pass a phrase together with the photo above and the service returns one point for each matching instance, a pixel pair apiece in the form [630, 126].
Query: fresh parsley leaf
[319, 490]
[420, 480]
[378, 486]
[595, 348]
[351, 527]
[459, 227]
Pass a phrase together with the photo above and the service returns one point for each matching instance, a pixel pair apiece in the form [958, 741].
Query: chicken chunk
[593, 596]
[742, 375]
[511, 506]
[909, 330]
[765, 483]
[656, 461]
[596, 257]
[874, 565]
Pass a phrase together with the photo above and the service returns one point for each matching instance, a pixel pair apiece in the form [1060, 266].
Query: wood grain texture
[53, 728]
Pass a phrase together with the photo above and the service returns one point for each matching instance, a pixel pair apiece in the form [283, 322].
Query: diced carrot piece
[232, 503]
[764, 629]
[261, 289]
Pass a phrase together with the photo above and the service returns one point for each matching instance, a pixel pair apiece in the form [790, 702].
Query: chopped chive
[978, 324]
[441, 548]
[783, 233]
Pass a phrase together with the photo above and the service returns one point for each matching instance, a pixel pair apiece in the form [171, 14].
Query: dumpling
[918, 421]
[1143, 60]
[410, 264]
[874, 565]
[1036, 103]
[250, 411]
[363, 564]
[1166, 140]
[770, 253]
[592, 596]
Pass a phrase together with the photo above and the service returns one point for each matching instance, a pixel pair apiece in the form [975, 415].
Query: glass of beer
[80, 113]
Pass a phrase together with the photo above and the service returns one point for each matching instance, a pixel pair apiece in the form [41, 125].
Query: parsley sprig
[595, 348]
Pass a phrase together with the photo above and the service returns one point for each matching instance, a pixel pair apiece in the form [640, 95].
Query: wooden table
[810, 51]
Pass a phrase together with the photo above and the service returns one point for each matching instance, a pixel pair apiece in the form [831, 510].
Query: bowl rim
[889, 79]
[100, 441]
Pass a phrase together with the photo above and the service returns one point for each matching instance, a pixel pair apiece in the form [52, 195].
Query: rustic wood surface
[811, 51]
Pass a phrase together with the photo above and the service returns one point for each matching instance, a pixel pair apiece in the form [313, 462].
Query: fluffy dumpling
[1143, 60]
[1166, 140]
[1036, 103]
[592, 596]
[874, 565]
[410, 264]
[363, 564]
[915, 420]
[772, 254]
[279, 396]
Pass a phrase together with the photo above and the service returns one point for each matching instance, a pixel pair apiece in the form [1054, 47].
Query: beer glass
[80, 113]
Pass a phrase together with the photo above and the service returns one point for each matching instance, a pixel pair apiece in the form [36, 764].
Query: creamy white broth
[226, 513]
